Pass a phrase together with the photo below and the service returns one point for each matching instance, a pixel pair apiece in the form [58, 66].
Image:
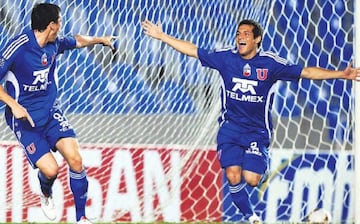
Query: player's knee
[48, 166]
[253, 183]
[233, 177]
[75, 163]
[50, 173]
[253, 180]
[234, 180]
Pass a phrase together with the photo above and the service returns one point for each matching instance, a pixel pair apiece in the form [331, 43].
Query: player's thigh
[58, 127]
[69, 148]
[48, 166]
[230, 154]
[61, 137]
[256, 158]
[34, 143]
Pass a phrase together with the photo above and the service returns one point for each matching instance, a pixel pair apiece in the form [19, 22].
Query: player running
[245, 125]
[28, 67]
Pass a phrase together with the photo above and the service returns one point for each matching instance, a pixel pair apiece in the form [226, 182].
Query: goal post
[357, 115]
[146, 116]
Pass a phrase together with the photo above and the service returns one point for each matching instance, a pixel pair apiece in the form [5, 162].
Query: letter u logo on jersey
[31, 148]
[262, 73]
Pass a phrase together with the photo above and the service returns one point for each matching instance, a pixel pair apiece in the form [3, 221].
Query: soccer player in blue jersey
[28, 68]
[245, 126]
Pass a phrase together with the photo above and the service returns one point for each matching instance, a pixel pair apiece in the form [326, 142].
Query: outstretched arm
[181, 46]
[320, 73]
[84, 41]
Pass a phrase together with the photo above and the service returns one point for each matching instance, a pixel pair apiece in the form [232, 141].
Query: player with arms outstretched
[245, 126]
[28, 67]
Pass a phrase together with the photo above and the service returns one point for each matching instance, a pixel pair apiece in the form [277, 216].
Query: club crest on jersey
[44, 61]
[247, 70]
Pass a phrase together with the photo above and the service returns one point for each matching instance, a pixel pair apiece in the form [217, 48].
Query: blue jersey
[247, 87]
[30, 73]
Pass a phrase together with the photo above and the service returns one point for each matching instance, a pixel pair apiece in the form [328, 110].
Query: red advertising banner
[137, 184]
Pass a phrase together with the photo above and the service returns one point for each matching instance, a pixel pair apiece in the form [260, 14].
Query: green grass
[204, 222]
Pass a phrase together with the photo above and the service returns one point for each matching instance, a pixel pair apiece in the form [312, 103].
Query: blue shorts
[38, 141]
[249, 151]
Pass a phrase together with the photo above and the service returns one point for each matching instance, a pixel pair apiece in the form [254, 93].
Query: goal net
[146, 116]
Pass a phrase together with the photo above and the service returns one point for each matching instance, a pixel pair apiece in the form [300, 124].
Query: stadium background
[138, 86]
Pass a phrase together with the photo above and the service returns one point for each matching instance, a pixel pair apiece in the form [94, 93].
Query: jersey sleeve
[66, 43]
[289, 72]
[9, 52]
[4, 67]
[210, 58]
[281, 68]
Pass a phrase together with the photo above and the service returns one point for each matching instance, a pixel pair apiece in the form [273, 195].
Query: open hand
[151, 29]
[352, 73]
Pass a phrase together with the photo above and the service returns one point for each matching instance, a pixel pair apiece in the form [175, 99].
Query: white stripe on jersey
[223, 49]
[10, 77]
[267, 107]
[274, 56]
[56, 77]
[15, 45]
[223, 101]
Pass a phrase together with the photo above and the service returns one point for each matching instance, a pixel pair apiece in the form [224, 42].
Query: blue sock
[79, 187]
[240, 197]
[45, 184]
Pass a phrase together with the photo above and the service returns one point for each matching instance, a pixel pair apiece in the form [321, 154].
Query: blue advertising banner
[298, 183]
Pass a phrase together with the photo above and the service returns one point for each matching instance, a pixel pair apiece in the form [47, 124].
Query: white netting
[147, 116]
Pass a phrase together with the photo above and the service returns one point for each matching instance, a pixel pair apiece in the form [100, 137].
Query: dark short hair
[43, 14]
[257, 30]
